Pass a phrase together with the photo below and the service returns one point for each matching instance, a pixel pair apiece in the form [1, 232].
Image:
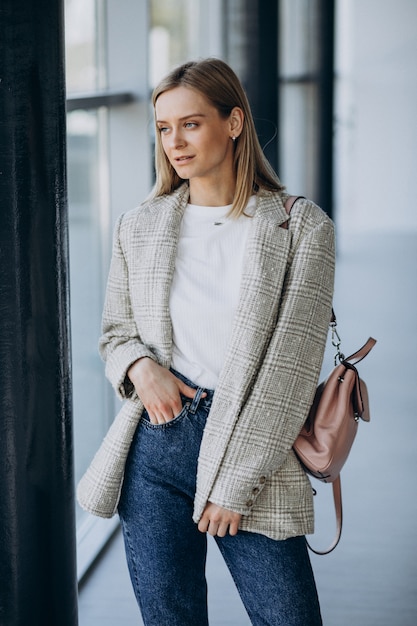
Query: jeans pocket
[145, 421]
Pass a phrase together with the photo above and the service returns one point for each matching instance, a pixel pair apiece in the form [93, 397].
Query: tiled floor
[371, 578]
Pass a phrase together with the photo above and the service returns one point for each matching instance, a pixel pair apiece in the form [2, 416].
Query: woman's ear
[236, 121]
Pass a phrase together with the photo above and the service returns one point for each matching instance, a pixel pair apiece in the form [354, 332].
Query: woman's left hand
[217, 521]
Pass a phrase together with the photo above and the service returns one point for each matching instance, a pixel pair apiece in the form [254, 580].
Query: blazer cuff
[118, 364]
[240, 496]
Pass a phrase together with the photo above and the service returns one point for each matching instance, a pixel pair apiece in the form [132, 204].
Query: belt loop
[196, 400]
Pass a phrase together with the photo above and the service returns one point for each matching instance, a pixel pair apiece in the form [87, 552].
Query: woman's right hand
[158, 389]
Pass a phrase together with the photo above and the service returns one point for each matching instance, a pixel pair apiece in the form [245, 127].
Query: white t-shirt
[205, 289]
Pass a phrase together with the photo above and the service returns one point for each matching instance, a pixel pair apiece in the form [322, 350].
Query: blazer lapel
[262, 280]
[153, 260]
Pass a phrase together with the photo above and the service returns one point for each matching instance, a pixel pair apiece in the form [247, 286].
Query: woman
[214, 329]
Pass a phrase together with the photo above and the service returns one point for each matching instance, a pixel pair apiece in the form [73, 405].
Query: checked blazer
[271, 369]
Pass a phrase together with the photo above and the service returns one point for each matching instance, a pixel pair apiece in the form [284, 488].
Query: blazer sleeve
[280, 399]
[120, 344]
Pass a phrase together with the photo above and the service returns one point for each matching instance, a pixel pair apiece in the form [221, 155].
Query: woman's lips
[183, 159]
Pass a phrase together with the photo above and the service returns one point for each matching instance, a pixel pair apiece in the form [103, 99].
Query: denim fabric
[166, 553]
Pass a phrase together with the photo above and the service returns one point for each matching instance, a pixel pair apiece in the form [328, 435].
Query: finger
[173, 409]
[213, 528]
[169, 415]
[160, 417]
[154, 419]
[188, 392]
[203, 525]
[222, 529]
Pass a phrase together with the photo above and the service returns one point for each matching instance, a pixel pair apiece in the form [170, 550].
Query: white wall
[376, 115]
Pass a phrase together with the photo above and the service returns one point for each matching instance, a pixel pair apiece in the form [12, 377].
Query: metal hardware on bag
[336, 342]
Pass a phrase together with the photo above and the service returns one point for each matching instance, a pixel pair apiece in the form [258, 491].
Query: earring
[233, 138]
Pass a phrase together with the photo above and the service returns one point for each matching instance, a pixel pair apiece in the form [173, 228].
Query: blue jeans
[166, 553]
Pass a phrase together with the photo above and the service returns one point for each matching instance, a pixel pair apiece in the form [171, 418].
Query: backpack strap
[289, 203]
[337, 498]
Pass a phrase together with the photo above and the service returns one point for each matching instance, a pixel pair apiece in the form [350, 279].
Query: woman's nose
[177, 138]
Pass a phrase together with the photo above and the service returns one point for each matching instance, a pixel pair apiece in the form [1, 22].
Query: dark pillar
[262, 72]
[326, 107]
[252, 49]
[37, 525]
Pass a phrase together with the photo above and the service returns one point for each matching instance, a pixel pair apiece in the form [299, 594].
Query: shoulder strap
[289, 203]
[337, 497]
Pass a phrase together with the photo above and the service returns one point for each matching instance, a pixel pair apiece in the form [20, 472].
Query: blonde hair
[219, 84]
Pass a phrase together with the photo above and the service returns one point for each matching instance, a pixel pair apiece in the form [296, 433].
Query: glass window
[299, 45]
[299, 138]
[299, 67]
[85, 49]
[86, 180]
[173, 37]
[306, 74]
[88, 190]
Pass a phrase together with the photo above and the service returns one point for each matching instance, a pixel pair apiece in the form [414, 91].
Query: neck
[211, 195]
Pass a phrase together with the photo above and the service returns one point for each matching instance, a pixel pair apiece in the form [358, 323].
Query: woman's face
[195, 138]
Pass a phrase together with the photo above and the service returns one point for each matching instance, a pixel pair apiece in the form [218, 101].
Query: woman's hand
[158, 389]
[217, 521]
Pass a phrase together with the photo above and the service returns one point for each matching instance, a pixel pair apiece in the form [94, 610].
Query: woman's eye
[190, 124]
[163, 129]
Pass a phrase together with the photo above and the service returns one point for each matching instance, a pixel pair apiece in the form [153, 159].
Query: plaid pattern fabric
[270, 373]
